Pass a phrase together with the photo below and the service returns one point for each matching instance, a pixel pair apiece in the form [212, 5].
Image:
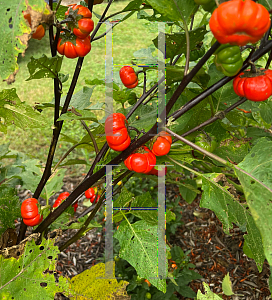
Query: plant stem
[87, 129]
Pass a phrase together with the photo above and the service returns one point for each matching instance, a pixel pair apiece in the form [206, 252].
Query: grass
[128, 37]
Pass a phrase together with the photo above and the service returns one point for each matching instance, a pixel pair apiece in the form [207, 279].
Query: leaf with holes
[209, 295]
[14, 38]
[28, 277]
[99, 282]
[138, 242]
[44, 67]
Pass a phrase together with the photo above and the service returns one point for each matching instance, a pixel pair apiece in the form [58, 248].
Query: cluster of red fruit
[90, 194]
[77, 42]
[239, 22]
[31, 210]
[143, 160]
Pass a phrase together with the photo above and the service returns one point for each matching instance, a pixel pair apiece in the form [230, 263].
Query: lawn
[127, 38]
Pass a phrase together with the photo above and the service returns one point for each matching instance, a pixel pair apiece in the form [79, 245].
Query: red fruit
[89, 193]
[116, 132]
[162, 144]
[239, 22]
[84, 26]
[40, 31]
[128, 77]
[142, 161]
[30, 212]
[256, 87]
[75, 48]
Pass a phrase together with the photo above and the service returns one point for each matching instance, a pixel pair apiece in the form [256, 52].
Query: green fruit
[207, 143]
[116, 258]
[228, 59]
[209, 7]
[148, 296]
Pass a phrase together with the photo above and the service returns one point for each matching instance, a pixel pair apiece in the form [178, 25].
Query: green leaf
[227, 286]
[256, 181]
[26, 278]
[188, 190]
[71, 162]
[228, 210]
[94, 284]
[80, 100]
[79, 224]
[54, 184]
[63, 77]
[60, 14]
[144, 57]
[138, 242]
[13, 111]
[209, 295]
[31, 173]
[266, 111]
[9, 208]
[15, 32]
[173, 9]
[4, 150]
[176, 43]
[85, 115]
[234, 151]
[226, 93]
[44, 67]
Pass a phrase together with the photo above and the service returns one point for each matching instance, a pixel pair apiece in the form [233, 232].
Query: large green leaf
[255, 177]
[25, 278]
[44, 67]
[54, 184]
[138, 244]
[15, 32]
[13, 111]
[228, 210]
[94, 284]
[9, 208]
[173, 9]
[81, 99]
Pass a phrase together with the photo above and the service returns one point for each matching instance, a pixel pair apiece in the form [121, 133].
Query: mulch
[212, 251]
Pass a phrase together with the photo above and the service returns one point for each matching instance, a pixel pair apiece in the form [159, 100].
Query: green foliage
[209, 295]
[176, 42]
[26, 278]
[98, 283]
[9, 208]
[228, 210]
[226, 285]
[138, 242]
[13, 111]
[174, 9]
[44, 67]
[15, 35]
[255, 179]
